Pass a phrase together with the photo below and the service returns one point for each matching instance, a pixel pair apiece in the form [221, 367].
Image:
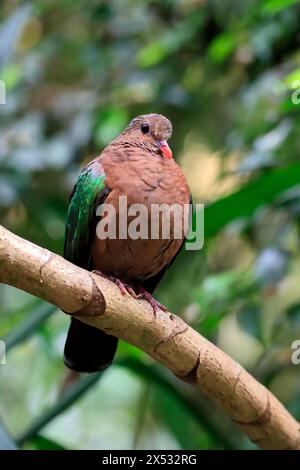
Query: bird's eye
[145, 128]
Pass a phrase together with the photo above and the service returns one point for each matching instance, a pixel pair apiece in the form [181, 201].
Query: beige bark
[166, 338]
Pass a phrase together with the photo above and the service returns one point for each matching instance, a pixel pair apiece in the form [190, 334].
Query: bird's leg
[143, 294]
[127, 289]
[123, 287]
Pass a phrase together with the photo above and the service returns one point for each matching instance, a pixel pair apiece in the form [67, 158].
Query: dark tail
[88, 349]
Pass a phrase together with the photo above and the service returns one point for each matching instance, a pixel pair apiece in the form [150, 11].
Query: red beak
[165, 149]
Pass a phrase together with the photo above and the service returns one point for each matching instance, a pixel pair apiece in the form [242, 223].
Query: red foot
[127, 289]
[123, 287]
[143, 294]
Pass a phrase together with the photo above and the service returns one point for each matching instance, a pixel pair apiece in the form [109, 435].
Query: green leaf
[68, 398]
[29, 325]
[222, 47]
[275, 6]
[254, 195]
[40, 442]
[293, 315]
[189, 433]
[169, 42]
[216, 295]
[112, 121]
[155, 374]
[152, 54]
[292, 80]
[11, 76]
[250, 320]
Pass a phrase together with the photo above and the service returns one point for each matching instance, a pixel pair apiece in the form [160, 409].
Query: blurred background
[225, 73]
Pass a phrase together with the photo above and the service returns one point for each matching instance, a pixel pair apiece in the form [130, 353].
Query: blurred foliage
[225, 74]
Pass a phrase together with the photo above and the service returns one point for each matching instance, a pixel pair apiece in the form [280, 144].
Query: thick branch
[166, 338]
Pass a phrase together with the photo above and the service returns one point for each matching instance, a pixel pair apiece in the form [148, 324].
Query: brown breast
[148, 179]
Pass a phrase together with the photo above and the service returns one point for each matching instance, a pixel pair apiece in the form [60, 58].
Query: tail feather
[88, 349]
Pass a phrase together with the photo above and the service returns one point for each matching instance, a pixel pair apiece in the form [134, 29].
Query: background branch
[166, 338]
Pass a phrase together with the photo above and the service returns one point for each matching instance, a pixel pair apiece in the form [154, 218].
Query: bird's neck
[128, 143]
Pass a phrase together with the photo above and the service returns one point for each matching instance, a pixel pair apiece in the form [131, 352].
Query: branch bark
[166, 338]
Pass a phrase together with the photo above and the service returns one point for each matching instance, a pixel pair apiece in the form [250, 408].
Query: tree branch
[166, 338]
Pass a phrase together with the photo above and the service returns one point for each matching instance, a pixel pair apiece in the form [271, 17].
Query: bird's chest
[138, 189]
[144, 182]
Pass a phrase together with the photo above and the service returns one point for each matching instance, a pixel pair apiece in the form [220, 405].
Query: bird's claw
[127, 289]
[143, 294]
[123, 287]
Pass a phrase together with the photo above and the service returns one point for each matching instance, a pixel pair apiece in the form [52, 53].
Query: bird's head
[151, 130]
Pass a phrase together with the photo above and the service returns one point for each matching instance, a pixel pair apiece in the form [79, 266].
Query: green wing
[90, 191]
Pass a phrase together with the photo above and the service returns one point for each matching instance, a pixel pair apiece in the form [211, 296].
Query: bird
[138, 164]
